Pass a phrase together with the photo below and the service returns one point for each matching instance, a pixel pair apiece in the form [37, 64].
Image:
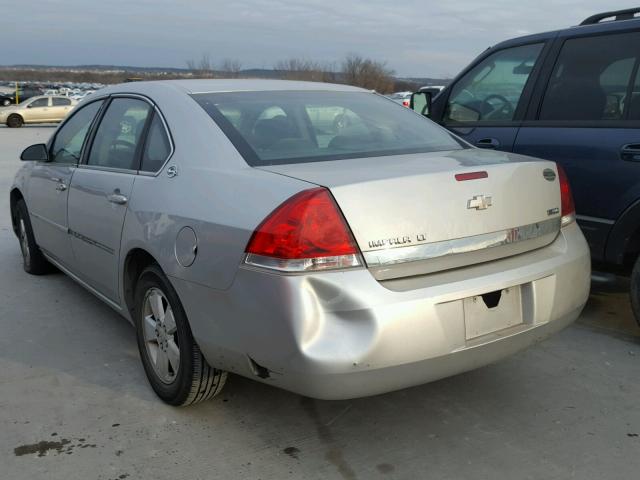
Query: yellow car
[44, 109]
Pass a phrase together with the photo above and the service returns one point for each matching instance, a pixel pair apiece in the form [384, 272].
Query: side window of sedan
[491, 90]
[117, 141]
[40, 102]
[67, 145]
[157, 148]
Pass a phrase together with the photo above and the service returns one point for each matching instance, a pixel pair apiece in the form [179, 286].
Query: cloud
[415, 37]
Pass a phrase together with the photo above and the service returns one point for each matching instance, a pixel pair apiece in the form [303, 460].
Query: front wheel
[15, 121]
[634, 292]
[6, 102]
[173, 362]
[33, 260]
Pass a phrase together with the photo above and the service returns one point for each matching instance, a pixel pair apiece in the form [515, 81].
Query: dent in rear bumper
[343, 334]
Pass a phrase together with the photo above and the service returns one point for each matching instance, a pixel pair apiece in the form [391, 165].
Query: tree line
[352, 70]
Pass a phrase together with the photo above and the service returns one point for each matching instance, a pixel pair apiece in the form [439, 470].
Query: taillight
[567, 209]
[305, 233]
[405, 103]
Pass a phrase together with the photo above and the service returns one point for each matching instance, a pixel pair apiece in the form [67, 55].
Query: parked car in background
[9, 98]
[240, 228]
[403, 98]
[43, 109]
[571, 96]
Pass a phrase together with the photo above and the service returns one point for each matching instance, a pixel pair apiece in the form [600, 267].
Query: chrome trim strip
[106, 300]
[426, 251]
[587, 218]
[88, 240]
[50, 222]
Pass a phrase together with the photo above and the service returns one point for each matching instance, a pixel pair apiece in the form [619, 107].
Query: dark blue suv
[572, 96]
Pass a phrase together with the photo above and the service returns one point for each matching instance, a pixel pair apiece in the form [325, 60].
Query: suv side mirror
[35, 153]
[421, 102]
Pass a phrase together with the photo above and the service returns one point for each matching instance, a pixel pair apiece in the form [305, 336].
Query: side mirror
[29, 106]
[421, 102]
[35, 153]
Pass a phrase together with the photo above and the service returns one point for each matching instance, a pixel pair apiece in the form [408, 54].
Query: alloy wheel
[160, 335]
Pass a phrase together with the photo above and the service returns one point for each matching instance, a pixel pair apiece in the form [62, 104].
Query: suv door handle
[117, 198]
[630, 152]
[488, 143]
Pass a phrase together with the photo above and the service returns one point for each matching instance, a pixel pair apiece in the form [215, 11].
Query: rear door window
[491, 90]
[60, 102]
[118, 139]
[157, 148]
[591, 78]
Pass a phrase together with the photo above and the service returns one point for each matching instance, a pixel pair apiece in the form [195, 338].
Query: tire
[192, 380]
[6, 102]
[634, 291]
[33, 260]
[15, 121]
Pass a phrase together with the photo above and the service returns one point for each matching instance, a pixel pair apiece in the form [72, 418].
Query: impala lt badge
[479, 202]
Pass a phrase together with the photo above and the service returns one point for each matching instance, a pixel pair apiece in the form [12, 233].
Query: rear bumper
[343, 334]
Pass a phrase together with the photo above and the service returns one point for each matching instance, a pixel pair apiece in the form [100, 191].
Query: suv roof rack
[618, 15]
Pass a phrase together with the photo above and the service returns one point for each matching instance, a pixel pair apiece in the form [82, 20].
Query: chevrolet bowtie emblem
[479, 202]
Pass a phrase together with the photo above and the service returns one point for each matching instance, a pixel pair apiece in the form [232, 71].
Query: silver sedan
[314, 237]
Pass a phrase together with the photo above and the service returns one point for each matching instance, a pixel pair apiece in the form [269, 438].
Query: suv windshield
[280, 127]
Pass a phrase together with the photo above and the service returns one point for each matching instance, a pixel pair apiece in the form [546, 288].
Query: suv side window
[491, 90]
[60, 102]
[67, 145]
[157, 148]
[118, 138]
[591, 78]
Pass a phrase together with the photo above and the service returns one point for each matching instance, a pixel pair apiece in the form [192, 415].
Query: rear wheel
[173, 362]
[6, 102]
[33, 260]
[634, 292]
[15, 121]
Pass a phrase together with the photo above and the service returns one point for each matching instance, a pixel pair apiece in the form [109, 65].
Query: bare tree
[367, 73]
[230, 67]
[203, 67]
[304, 69]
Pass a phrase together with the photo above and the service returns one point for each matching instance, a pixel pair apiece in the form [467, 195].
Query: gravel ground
[74, 402]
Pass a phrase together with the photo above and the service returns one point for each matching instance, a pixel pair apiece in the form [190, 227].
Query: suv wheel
[175, 367]
[634, 293]
[15, 121]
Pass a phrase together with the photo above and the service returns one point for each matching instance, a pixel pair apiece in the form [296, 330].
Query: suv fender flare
[622, 231]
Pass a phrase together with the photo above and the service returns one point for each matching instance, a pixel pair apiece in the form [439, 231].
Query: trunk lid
[411, 216]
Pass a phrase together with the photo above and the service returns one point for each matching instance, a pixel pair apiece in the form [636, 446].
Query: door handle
[630, 152]
[117, 198]
[488, 143]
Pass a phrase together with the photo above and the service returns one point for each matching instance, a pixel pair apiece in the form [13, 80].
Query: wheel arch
[623, 244]
[136, 260]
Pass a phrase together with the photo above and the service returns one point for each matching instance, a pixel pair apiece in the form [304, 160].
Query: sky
[423, 38]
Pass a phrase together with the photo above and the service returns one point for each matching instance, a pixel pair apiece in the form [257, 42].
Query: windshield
[280, 127]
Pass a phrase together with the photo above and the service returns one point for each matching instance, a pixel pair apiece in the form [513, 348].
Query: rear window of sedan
[284, 127]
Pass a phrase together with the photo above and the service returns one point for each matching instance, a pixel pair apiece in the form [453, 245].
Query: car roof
[601, 27]
[227, 85]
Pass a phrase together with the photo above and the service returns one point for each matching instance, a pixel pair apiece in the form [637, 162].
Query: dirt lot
[74, 402]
